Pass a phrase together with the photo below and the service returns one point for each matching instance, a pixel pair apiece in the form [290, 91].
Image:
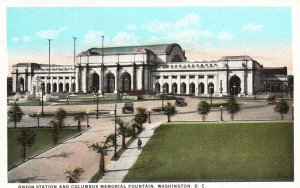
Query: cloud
[93, 38]
[50, 34]
[15, 39]
[132, 27]
[26, 39]
[225, 35]
[190, 20]
[124, 38]
[252, 27]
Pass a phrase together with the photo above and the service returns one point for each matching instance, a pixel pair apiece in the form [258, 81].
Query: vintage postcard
[171, 95]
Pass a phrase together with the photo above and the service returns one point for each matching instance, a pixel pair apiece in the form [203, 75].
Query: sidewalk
[117, 170]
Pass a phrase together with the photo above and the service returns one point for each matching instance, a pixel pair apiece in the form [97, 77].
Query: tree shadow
[63, 155]
[28, 179]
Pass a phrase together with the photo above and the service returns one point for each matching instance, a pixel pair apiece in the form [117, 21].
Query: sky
[205, 33]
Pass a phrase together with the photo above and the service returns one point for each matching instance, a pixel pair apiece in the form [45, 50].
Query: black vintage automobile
[128, 108]
[180, 102]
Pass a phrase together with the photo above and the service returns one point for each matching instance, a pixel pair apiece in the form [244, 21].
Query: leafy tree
[102, 149]
[80, 117]
[232, 107]
[73, 176]
[111, 139]
[55, 124]
[282, 107]
[15, 114]
[26, 138]
[203, 109]
[124, 130]
[170, 109]
[60, 115]
[141, 117]
[134, 125]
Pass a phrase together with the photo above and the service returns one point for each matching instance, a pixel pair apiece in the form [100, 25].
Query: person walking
[139, 144]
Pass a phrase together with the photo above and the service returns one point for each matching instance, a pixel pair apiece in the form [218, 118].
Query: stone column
[51, 83]
[197, 86]
[205, 84]
[77, 81]
[188, 85]
[139, 78]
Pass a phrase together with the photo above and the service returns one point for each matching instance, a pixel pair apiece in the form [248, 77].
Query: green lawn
[43, 139]
[247, 151]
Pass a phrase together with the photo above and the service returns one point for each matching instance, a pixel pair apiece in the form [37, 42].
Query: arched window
[192, 88]
[60, 87]
[125, 82]
[166, 87]
[183, 88]
[210, 88]
[157, 87]
[201, 88]
[109, 83]
[174, 88]
[67, 87]
[54, 87]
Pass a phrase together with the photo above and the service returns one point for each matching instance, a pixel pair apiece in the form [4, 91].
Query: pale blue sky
[202, 29]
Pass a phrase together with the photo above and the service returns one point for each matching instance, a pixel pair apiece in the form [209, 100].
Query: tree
[141, 117]
[282, 107]
[203, 109]
[170, 109]
[111, 139]
[26, 138]
[80, 117]
[232, 107]
[15, 114]
[102, 149]
[124, 130]
[60, 115]
[134, 125]
[55, 125]
[73, 176]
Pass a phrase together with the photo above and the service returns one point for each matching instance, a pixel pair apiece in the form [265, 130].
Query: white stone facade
[151, 68]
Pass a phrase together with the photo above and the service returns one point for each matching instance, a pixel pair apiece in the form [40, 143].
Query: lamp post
[42, 101]
[67, 100]
[115, 154]
[48, 79]
[210, 89]
[74, 63]
[87, 119]
[265, 87]
[149, 121]
[97, 113]
[38, 120]
[221, 107]
[94, 98]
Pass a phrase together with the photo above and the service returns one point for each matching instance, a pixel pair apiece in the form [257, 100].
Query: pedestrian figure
[139, 144]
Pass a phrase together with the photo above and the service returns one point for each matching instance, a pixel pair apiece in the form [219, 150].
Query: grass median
[238, 151]
[42, 141]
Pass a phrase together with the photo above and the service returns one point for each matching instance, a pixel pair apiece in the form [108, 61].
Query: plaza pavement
[51, 165]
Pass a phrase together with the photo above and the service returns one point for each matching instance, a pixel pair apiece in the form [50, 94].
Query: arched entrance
[211, 88]
[73, 87]
[95, 82]
[67, 87]
[54, 87]
[43, 86]
[157, 87]
[125, 82]
[183, 88]
[234, 85]
[48, 87]
[109, 83]
[174, 88]
[21, 84]
[192, 88]
[60, 87]
[201, 88]
[166, 87]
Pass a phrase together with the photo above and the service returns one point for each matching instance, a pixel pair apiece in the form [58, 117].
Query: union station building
[152, 69]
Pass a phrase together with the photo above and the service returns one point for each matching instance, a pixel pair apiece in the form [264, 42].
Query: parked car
[128, 108]
[271, 99]
[180, 102]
